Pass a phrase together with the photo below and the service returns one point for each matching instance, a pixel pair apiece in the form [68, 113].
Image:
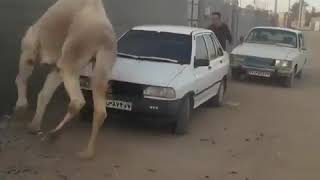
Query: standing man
[220, 29]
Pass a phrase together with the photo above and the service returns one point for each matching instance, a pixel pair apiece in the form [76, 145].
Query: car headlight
[237, 59]
[283, 63]
[160, 92]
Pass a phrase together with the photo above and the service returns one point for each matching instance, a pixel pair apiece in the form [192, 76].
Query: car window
[211, 47]
[156, 45]
[217, 44]
[201, 48]
[273, 36]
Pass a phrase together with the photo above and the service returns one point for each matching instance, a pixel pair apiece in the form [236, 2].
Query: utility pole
[289, 13]
[275, 6]
[300, 13]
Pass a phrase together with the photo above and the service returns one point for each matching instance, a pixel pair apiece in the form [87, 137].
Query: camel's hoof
[51, 137]
[34, 129]
[86, 155]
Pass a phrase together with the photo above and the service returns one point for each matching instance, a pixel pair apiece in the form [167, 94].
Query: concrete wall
[127, 13]
[249, 19]
[17, 15]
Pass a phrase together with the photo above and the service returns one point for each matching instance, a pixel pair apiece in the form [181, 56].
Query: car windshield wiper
[285, 45]
[255, 42]
[158, 59]
[128, 55]
[148, 58]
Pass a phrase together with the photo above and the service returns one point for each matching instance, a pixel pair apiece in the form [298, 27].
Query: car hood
[263, 50]
[143, 72]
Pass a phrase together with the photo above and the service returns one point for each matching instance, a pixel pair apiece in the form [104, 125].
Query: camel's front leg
[52, 83]
[100, 78]
[26, 65]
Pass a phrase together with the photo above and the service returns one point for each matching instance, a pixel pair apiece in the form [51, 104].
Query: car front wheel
[299, 75]
[289, 81]
[182, 118]
[235, 75]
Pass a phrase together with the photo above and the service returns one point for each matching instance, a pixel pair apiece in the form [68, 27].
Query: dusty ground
[265, 132]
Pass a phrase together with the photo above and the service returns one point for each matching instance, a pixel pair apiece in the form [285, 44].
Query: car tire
[235, 75]
[218, 100]
[289, 81]
[299, 75]
[182, 118]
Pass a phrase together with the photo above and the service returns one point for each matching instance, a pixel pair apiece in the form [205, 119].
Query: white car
[166, 70]
[270, 52]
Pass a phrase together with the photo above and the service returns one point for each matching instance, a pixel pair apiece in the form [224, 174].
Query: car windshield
[273, 36]
[156, 46]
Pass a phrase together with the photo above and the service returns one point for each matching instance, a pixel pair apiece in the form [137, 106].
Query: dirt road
[264, 132]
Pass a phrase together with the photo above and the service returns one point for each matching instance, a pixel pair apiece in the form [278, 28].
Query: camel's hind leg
[75, 55]
[52, 83]
[77, 101]
[102, 70]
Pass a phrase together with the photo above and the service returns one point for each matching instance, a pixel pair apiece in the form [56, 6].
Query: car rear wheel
[182, 118]
[218, 99]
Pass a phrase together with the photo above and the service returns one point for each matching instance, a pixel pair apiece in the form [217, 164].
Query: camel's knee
[76, 105]
[20, 81]
[25, 70]
[21, 78]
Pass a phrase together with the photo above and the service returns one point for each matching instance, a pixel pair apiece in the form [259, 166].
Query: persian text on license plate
[121, 105]
[259, 73]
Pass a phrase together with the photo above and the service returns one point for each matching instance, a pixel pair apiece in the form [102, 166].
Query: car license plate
[121, 105]
[259, 73]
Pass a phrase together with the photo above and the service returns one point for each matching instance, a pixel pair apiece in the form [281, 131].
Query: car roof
[277, 28]
[172, 29]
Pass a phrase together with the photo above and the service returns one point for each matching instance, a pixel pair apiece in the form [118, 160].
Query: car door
[215, 65]
[302, 52]
[201, 73]
[222, 59]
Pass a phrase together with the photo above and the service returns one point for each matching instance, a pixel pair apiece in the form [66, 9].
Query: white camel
[68, 36]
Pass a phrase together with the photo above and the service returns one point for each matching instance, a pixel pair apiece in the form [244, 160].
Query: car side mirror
[241, 39]
[201, 62]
